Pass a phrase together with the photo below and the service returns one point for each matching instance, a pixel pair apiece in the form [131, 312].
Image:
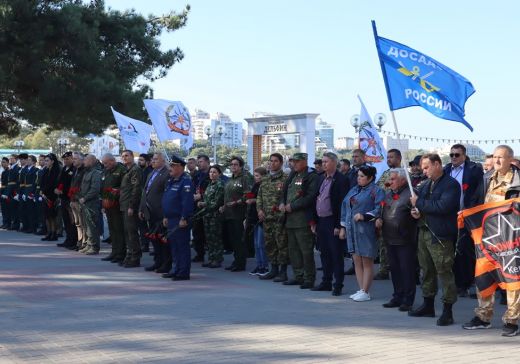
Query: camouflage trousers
[436, 261]
[384, 267]
[213, 232]
[276, 246]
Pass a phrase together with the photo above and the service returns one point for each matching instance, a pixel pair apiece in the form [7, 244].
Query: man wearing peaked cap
[177, 160]
[177, 203]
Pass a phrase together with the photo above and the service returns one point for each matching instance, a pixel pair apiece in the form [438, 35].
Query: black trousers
[199, 238]
[464, 265]
[331, 252]
[234, 231]
[402, 260]
[6, 218]
[68, 222]
[14, 214]
[162, 256]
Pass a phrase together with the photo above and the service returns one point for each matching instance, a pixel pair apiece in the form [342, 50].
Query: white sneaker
[362, 297]
[355, 294]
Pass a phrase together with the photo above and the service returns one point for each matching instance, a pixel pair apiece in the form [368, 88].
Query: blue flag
[414, 79]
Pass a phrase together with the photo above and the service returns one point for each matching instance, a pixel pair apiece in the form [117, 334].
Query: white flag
[135, 133]
[370, 142]
[171, 120]
[104, 144]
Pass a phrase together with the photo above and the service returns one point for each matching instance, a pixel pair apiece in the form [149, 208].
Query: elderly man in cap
[299, 203]
[416, 173]
[129, 199]
[177, 204]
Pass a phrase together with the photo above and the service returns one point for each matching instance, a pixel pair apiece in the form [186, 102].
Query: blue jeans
[261, 257]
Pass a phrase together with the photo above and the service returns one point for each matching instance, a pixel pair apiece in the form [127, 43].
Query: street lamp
[219, 130]
[19, 144]
[380, 120]
[62, 144]
[354, 121]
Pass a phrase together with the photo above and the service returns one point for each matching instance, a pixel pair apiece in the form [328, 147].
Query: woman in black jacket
[49, 183]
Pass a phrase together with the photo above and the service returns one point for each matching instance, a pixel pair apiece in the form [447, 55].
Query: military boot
[447, 316]
[425, 310]
[282, 276]
[272, 273]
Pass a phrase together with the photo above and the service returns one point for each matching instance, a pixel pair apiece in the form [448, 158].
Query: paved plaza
[58, 306]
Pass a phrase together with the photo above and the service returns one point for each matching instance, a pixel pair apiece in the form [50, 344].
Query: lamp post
[219, 130]
[62, 145]
[19, 144]
[379, 119]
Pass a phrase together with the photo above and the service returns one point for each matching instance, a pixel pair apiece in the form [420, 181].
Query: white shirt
[458, 174]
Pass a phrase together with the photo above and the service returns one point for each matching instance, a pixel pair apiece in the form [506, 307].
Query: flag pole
[404, 160]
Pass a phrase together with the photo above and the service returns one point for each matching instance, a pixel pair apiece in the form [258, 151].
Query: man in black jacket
[469, 175]
[333, 188]
[400, 234]
[436, 207]
[64, 181]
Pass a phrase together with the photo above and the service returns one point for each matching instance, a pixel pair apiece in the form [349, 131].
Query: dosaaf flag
[370, 142]
[415, 79]
[495, 229]
[135, 133]
[171, 120]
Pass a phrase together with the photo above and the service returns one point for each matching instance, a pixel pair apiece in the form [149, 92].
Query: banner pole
[404, 159]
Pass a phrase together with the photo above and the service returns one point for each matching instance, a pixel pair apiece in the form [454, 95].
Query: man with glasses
[469, 175]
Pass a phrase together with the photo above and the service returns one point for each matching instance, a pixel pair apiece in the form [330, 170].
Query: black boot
[282, 276]
[47, 237]
[447, 316]
[272, 273]
[425, 310]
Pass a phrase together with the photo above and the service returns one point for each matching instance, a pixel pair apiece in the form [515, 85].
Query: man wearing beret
[299, 203]
[177, 204]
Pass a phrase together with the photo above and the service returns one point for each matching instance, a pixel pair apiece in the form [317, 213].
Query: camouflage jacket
[270, 195]
[213, 198]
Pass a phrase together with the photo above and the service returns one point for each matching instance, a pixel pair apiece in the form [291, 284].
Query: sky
[310, 56]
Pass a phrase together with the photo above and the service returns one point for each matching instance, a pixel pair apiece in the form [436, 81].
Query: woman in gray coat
[359, 210]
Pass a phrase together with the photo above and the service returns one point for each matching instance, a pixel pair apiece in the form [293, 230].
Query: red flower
[383, 203]
[60, 187]
[249, 195]
[465, 186]
[395, 197]
[300, 193]
[275, 208]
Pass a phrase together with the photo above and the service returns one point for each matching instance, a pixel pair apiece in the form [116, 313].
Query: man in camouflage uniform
[129, 199]
[299, 204]
[393, 159]
[88, 198]
[267, 200]
[110, 187]
[234, 211]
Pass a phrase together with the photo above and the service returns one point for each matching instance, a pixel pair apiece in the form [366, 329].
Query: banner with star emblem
[495, 229]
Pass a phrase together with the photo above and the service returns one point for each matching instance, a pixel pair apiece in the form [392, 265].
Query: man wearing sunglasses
[469, 175]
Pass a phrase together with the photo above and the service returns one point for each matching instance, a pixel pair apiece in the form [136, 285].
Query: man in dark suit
[333, 188]
[150, 210]
[469, 175]
[358, 160]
